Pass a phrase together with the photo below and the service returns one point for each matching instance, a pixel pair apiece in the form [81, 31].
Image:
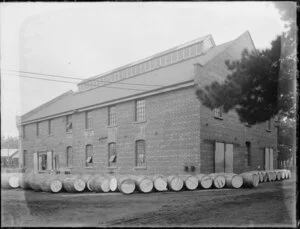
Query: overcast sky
[86, 39]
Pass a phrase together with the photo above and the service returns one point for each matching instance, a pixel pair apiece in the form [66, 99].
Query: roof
[163, 77]
[9, 152]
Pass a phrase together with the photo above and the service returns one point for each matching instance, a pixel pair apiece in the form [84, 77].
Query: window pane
[140, 152]
[140, 110]
[112, 115]
[112, 154]
[89, 155]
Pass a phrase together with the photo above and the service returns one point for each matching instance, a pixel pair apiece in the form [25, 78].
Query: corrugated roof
[170, 75]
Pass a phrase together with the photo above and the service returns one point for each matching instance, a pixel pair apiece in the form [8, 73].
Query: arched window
[140, 150]
[69, 156]
[112, 154]
[89, 155]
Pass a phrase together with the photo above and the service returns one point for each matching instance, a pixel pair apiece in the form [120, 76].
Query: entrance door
[268, 158]
[229, 158]
[223, 157]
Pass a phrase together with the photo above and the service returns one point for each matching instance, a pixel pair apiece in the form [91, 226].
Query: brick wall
[171, 132]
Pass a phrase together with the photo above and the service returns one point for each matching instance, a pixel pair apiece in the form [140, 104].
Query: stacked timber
[126, 184]
[175, 183]
[100, 184]
[190, 182]
[73, 183]
[233, 180]
[51, 183]
[10, 180]
[250, 179]
[160, 182]
[24, 181]
[218, 180]
[204, 180]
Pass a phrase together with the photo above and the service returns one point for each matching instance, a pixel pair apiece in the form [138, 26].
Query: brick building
[145, 118]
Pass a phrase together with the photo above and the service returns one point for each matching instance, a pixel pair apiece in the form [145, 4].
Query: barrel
[283, 174]
[160, 182]
[24, 181]
[233, 180]
[278, 175]
[90, 181]
[289, 174]
[51, 183]
[73, 183]
[261, 176]
[175, 183]
[85, 178]
[126, 184]
[218, 180]
[143, 183]
[35, 181]
[190, 182]
[113, 183]
[100, 184]
[10, 180]
[250, 179]
[204, 180]
[265, 176]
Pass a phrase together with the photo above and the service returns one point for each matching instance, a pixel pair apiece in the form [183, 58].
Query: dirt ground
[270, 204]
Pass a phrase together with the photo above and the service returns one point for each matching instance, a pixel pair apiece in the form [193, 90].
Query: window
[140, 153]
[112, 154]
[50, 128]
[88, 121]
[218, 112]
[248, 154]
[112, 116]
[69, 156]
[140, 110]
[42, 161]
[69, 123]
[37, 129]
[24, 158]
[89, 155]
[24, 131]
[269, 125]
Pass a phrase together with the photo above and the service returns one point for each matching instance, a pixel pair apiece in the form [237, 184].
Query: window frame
[88, 120]
[41, 155]
[68, 122]
[140, 110]
[112, 115]
[89, 164]
[38, 129]
[69, 156]
[218, 112]
[50, 127]
[137, 153]
[112, 164]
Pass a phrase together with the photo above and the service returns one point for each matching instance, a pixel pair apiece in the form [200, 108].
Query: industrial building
[145, 118]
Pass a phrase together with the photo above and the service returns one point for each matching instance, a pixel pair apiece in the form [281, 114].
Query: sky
[85, 39]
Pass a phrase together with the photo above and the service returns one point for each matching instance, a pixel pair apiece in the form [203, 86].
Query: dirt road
[271, 204]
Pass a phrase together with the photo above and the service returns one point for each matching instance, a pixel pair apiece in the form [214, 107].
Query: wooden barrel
[85, 178]
[265, 176]
[289, 174]
[7, 179]
[126, 184]
[205, 181]
[143, 183]
[261, 176]
[175, 183]
[113, 183]
[283, 174]
[278, 175]
[218, 180]
[24, 180]
[100, 184]
[190, 182]
[233, 180]
[35, 181]
[160, 182]
[73, 183]
[51, 183]
[250, 179]
[89, 182]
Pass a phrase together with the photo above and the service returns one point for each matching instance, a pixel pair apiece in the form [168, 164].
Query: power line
[62, 81]
[76, 78]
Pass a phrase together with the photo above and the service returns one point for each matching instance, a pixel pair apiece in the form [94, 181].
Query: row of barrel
[128, 184]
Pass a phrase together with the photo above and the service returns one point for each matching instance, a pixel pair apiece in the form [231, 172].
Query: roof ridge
[46, 104]
[186, 44]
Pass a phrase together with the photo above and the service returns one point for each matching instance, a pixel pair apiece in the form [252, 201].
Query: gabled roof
[8, 152]
[164, 77]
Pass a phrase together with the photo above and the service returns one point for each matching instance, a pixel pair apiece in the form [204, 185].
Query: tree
[263, 83]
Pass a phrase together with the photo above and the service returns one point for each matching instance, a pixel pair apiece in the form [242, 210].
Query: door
[271, 159]
[219, 157]
[229, 158]
[267, 159]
